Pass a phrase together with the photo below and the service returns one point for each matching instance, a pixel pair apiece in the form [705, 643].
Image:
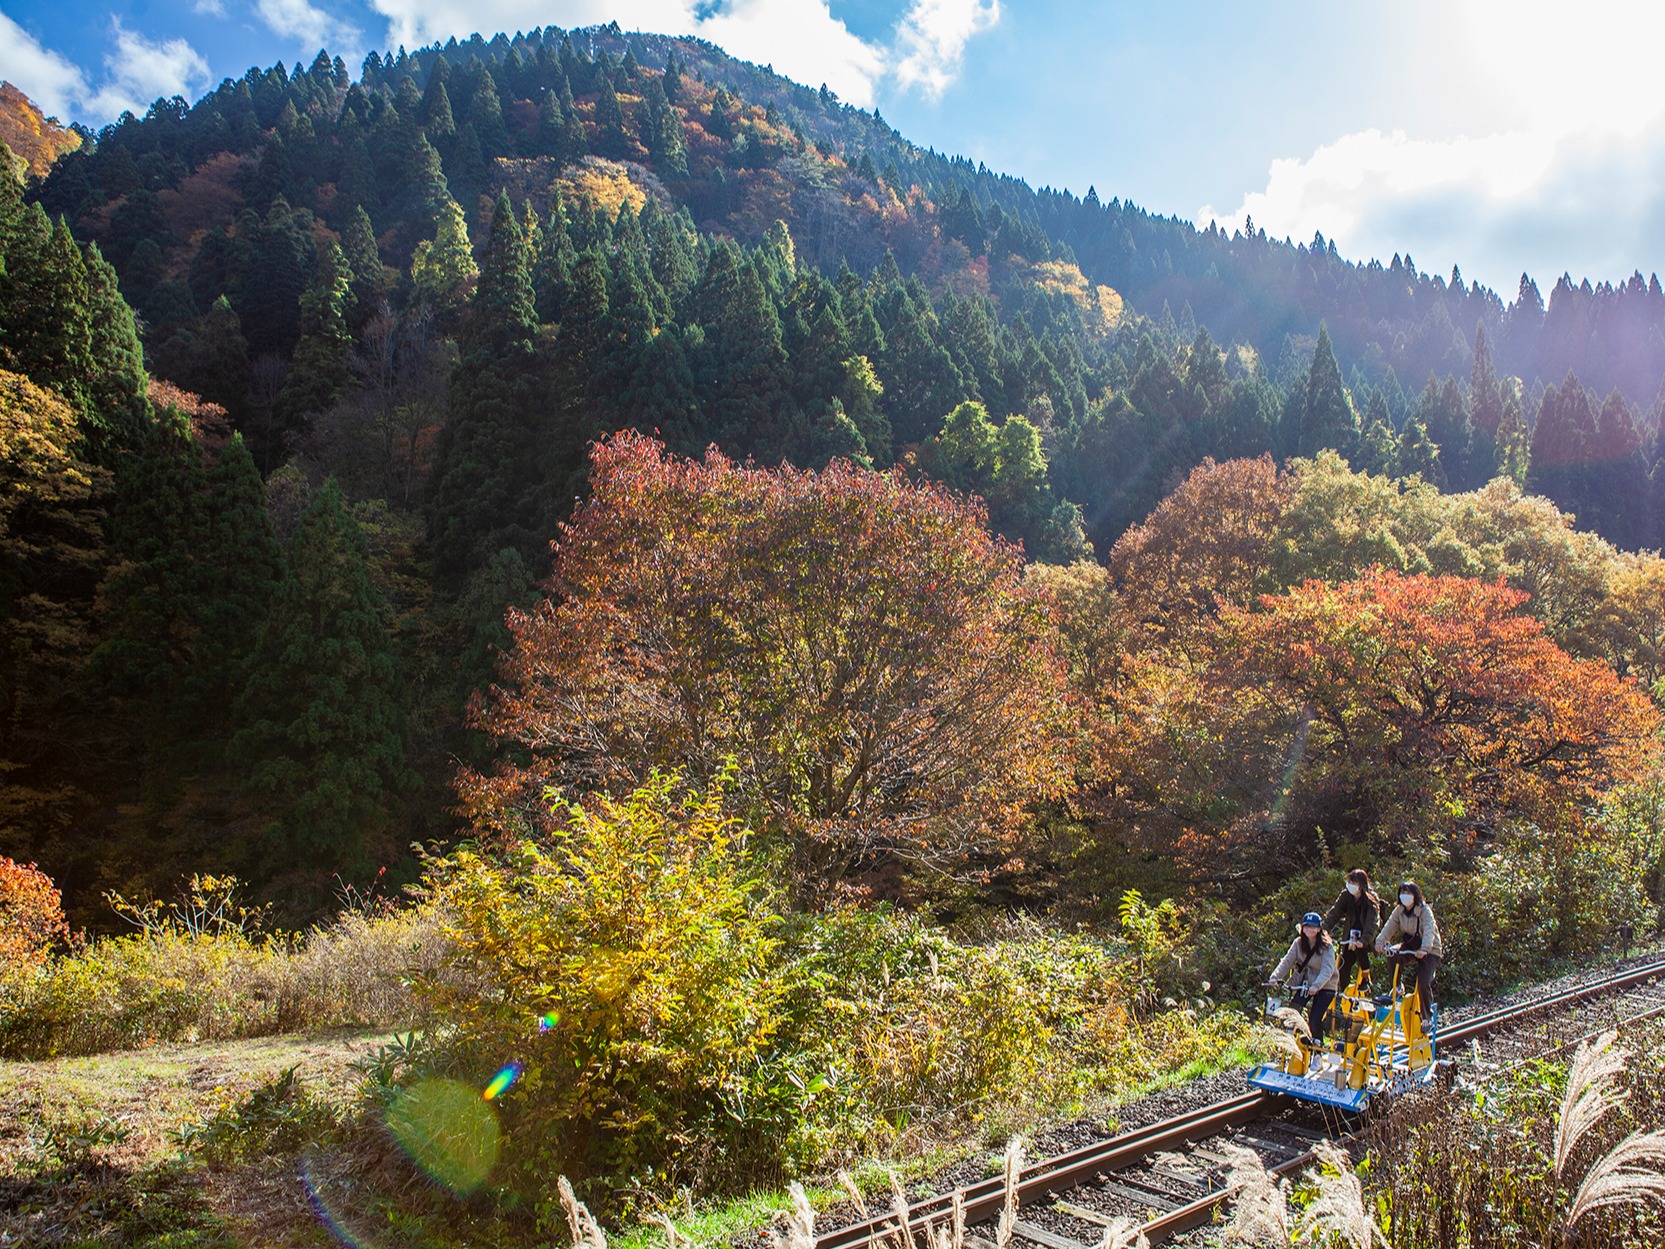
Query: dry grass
[1260, 1204]
[84, 1139]
[1013, 1170]
[174, 984]
[800, 1223]
[586, 1232]
[1337, 1213]
[1592, 1091]
[1633, 1173]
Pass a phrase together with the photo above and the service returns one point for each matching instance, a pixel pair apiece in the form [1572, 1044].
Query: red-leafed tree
[1426, 706]
[1211, 542]
[856, 644]
[31, 917]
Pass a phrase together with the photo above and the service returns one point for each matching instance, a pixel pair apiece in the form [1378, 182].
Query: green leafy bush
[628, 968]
[670, 1022]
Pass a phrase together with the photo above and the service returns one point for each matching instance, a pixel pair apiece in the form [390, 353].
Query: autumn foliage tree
[857, 644]
[31, 917]
[1425, 707]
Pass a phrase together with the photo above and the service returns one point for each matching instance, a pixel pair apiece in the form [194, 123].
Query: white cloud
[416, 23]
[303, 22]
[931, 39]
[209, 8]
[1588, 203]
[1551, 158]
[1338, 187]
[47, 78]
[139, 72]
[802, 40]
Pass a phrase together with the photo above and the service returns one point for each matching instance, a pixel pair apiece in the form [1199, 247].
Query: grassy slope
[61, 1185]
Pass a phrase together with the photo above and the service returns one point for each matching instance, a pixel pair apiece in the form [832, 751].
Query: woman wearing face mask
[1311, 968]
[1412, 922]
[1353, 921]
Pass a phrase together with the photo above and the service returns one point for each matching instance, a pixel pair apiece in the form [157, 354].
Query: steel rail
[1202, 1209]
[1066, 1171]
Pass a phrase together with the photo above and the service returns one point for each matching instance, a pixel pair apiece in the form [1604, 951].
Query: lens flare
[448, 1131]
[546, 1022]
[334, 1221]
[501, 1081]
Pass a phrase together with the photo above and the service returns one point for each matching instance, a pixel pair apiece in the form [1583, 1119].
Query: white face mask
[1353, 888]
[1407, 900]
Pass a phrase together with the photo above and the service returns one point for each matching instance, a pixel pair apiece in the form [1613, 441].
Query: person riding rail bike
[1419, 950]
[1352, 922]
[1313, 975]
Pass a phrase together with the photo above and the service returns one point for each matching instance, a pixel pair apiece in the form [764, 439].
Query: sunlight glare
[1568, 69]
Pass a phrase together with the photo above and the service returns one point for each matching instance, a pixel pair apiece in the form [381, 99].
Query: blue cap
[1313, 918]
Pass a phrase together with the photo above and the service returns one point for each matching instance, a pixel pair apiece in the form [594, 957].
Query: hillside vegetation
[34, 139]
[751, 645]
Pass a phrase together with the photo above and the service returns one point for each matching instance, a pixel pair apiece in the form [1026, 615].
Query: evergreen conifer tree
[321, 740]
[442, 268]
[241, 566]
[1418, 455]
[320, 370]
[491, 482]
[371, 279]
[1322, 411]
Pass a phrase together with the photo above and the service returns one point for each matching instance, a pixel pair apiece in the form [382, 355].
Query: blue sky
[1499, 135]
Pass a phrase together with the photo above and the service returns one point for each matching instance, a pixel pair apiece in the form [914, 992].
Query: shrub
[628, 969]
[31, 918]
[1545, 1154]
[670, 1024]
[199, 969]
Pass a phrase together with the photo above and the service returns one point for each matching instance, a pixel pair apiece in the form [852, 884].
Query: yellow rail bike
[1376, 1045]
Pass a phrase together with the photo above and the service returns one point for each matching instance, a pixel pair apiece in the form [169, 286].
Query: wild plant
[899, 1208]
[1591, 1092]
[800, 1222]
[1013, 1171]
[1633, 1172]
[1260, 1204]
[210, 906]
[586, 1232]
[1337, 1213]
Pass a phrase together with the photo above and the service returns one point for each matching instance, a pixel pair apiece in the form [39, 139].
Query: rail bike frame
[1377, 1046]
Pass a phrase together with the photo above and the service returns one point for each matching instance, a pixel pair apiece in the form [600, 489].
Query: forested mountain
[34, 139]
[253, 574]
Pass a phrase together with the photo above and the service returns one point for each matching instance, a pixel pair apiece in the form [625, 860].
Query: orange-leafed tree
[1423, 707]
[31, 917]
[856, 646]
[1209, 543]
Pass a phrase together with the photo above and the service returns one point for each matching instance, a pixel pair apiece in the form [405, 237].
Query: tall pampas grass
[1591, 1093]
[899, 1208]
[1337, 1211]
[586, 1232]
[1295, 1025]
[1632, 1174]
[1633, 1171]
[854, 1193]
[800, 1222]
[1009, 1211]
[1260, 1209]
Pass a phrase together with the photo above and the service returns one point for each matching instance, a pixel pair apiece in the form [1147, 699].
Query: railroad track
[1169, 1174]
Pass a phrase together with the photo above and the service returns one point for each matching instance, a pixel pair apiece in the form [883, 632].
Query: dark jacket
[1349, 913]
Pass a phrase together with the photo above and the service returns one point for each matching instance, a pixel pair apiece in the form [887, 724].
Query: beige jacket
[1412, 924]
[1320, 972]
